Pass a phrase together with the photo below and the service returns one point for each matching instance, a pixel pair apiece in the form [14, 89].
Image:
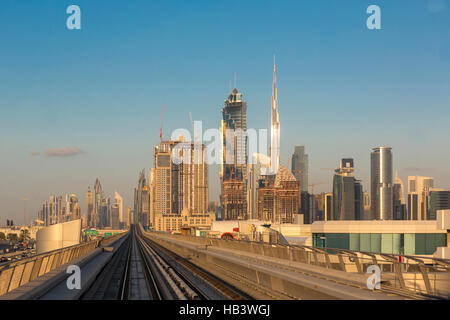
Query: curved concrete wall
[58, 236]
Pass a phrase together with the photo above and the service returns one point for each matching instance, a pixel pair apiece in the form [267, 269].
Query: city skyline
[87, 133]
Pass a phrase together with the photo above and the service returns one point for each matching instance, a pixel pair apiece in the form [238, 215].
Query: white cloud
[62, 152]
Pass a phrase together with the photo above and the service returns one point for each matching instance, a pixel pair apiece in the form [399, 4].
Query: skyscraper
[438, 199]
[72, 209]
[347, 193]
[142, 201]
[98, 202]
[381, 184]
[274, 128]
[180, 183]
[60, 209]
[115, 221]
[399, 199]
[299, 167]
[54, 211]
[119, 202]
[233, 173]
[366, 202]
[418, 188]
[260, 164]
[128, 220]
[89, 207]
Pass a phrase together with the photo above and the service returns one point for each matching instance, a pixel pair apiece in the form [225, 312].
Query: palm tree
[24, 235]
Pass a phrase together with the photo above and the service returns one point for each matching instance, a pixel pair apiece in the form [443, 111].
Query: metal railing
[18, 273]
[408, 275]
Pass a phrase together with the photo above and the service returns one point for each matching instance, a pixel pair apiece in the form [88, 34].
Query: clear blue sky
[342, 88]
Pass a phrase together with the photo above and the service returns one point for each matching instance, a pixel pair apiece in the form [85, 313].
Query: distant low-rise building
[174, 222]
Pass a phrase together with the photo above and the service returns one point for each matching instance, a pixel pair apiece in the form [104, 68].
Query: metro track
[198, 279]
[142, 270]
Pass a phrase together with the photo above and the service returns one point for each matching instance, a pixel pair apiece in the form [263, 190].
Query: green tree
[2, 236]
[12, 237]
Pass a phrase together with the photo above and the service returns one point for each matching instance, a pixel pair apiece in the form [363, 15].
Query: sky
[76, 105]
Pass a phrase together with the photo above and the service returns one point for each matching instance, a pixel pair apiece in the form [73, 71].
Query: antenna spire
[235, 80]
[162, 119]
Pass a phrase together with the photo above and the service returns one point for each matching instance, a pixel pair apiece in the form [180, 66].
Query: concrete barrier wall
[420, 278]
[18, 273]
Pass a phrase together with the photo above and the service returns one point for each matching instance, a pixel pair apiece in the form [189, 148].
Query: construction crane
[192, 125]
[312, 185]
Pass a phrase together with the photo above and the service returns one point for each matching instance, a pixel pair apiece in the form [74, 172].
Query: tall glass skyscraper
[381, 184]
[347, 193]
[418, 189]
[299, 167]
[274, 128]
[233, 173]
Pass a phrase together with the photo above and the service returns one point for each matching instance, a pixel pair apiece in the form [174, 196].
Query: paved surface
[314, 281]
[138, 284]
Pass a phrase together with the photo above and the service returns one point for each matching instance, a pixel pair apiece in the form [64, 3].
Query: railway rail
[140, 270]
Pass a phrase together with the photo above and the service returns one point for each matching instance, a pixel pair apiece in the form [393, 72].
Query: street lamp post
[24, 211]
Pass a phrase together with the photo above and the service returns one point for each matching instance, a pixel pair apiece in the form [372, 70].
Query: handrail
[18, 273]
[411, 275]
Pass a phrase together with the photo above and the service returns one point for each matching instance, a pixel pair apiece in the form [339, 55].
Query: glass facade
[391, 243]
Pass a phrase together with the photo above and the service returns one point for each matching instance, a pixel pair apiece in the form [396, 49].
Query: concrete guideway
[129, 268]
[52, 285]
[294, 279]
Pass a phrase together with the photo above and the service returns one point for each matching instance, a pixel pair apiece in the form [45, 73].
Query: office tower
[278, 198]
[305, 209]
[233, 173]
[152, 187]
[60, 210]
[320, 211]
[347, 193]
[418, 188]
[438, 199]
[274, 128]
[142, 201]
[103, 214]
[98, 200]
[260, 164]
[254, 173]
[52, 210]
[399, 199]
[324, 203]
[366, 201]
[44, 214]
[195, 179]
[359, 201]
[72, 209]
[328, 207]
[180, 185]
[381, 184]
[299, 167]
[181, 182]
[313, 208]
[128, 220]
[115, 216]
[119, 201]
[89, 207]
